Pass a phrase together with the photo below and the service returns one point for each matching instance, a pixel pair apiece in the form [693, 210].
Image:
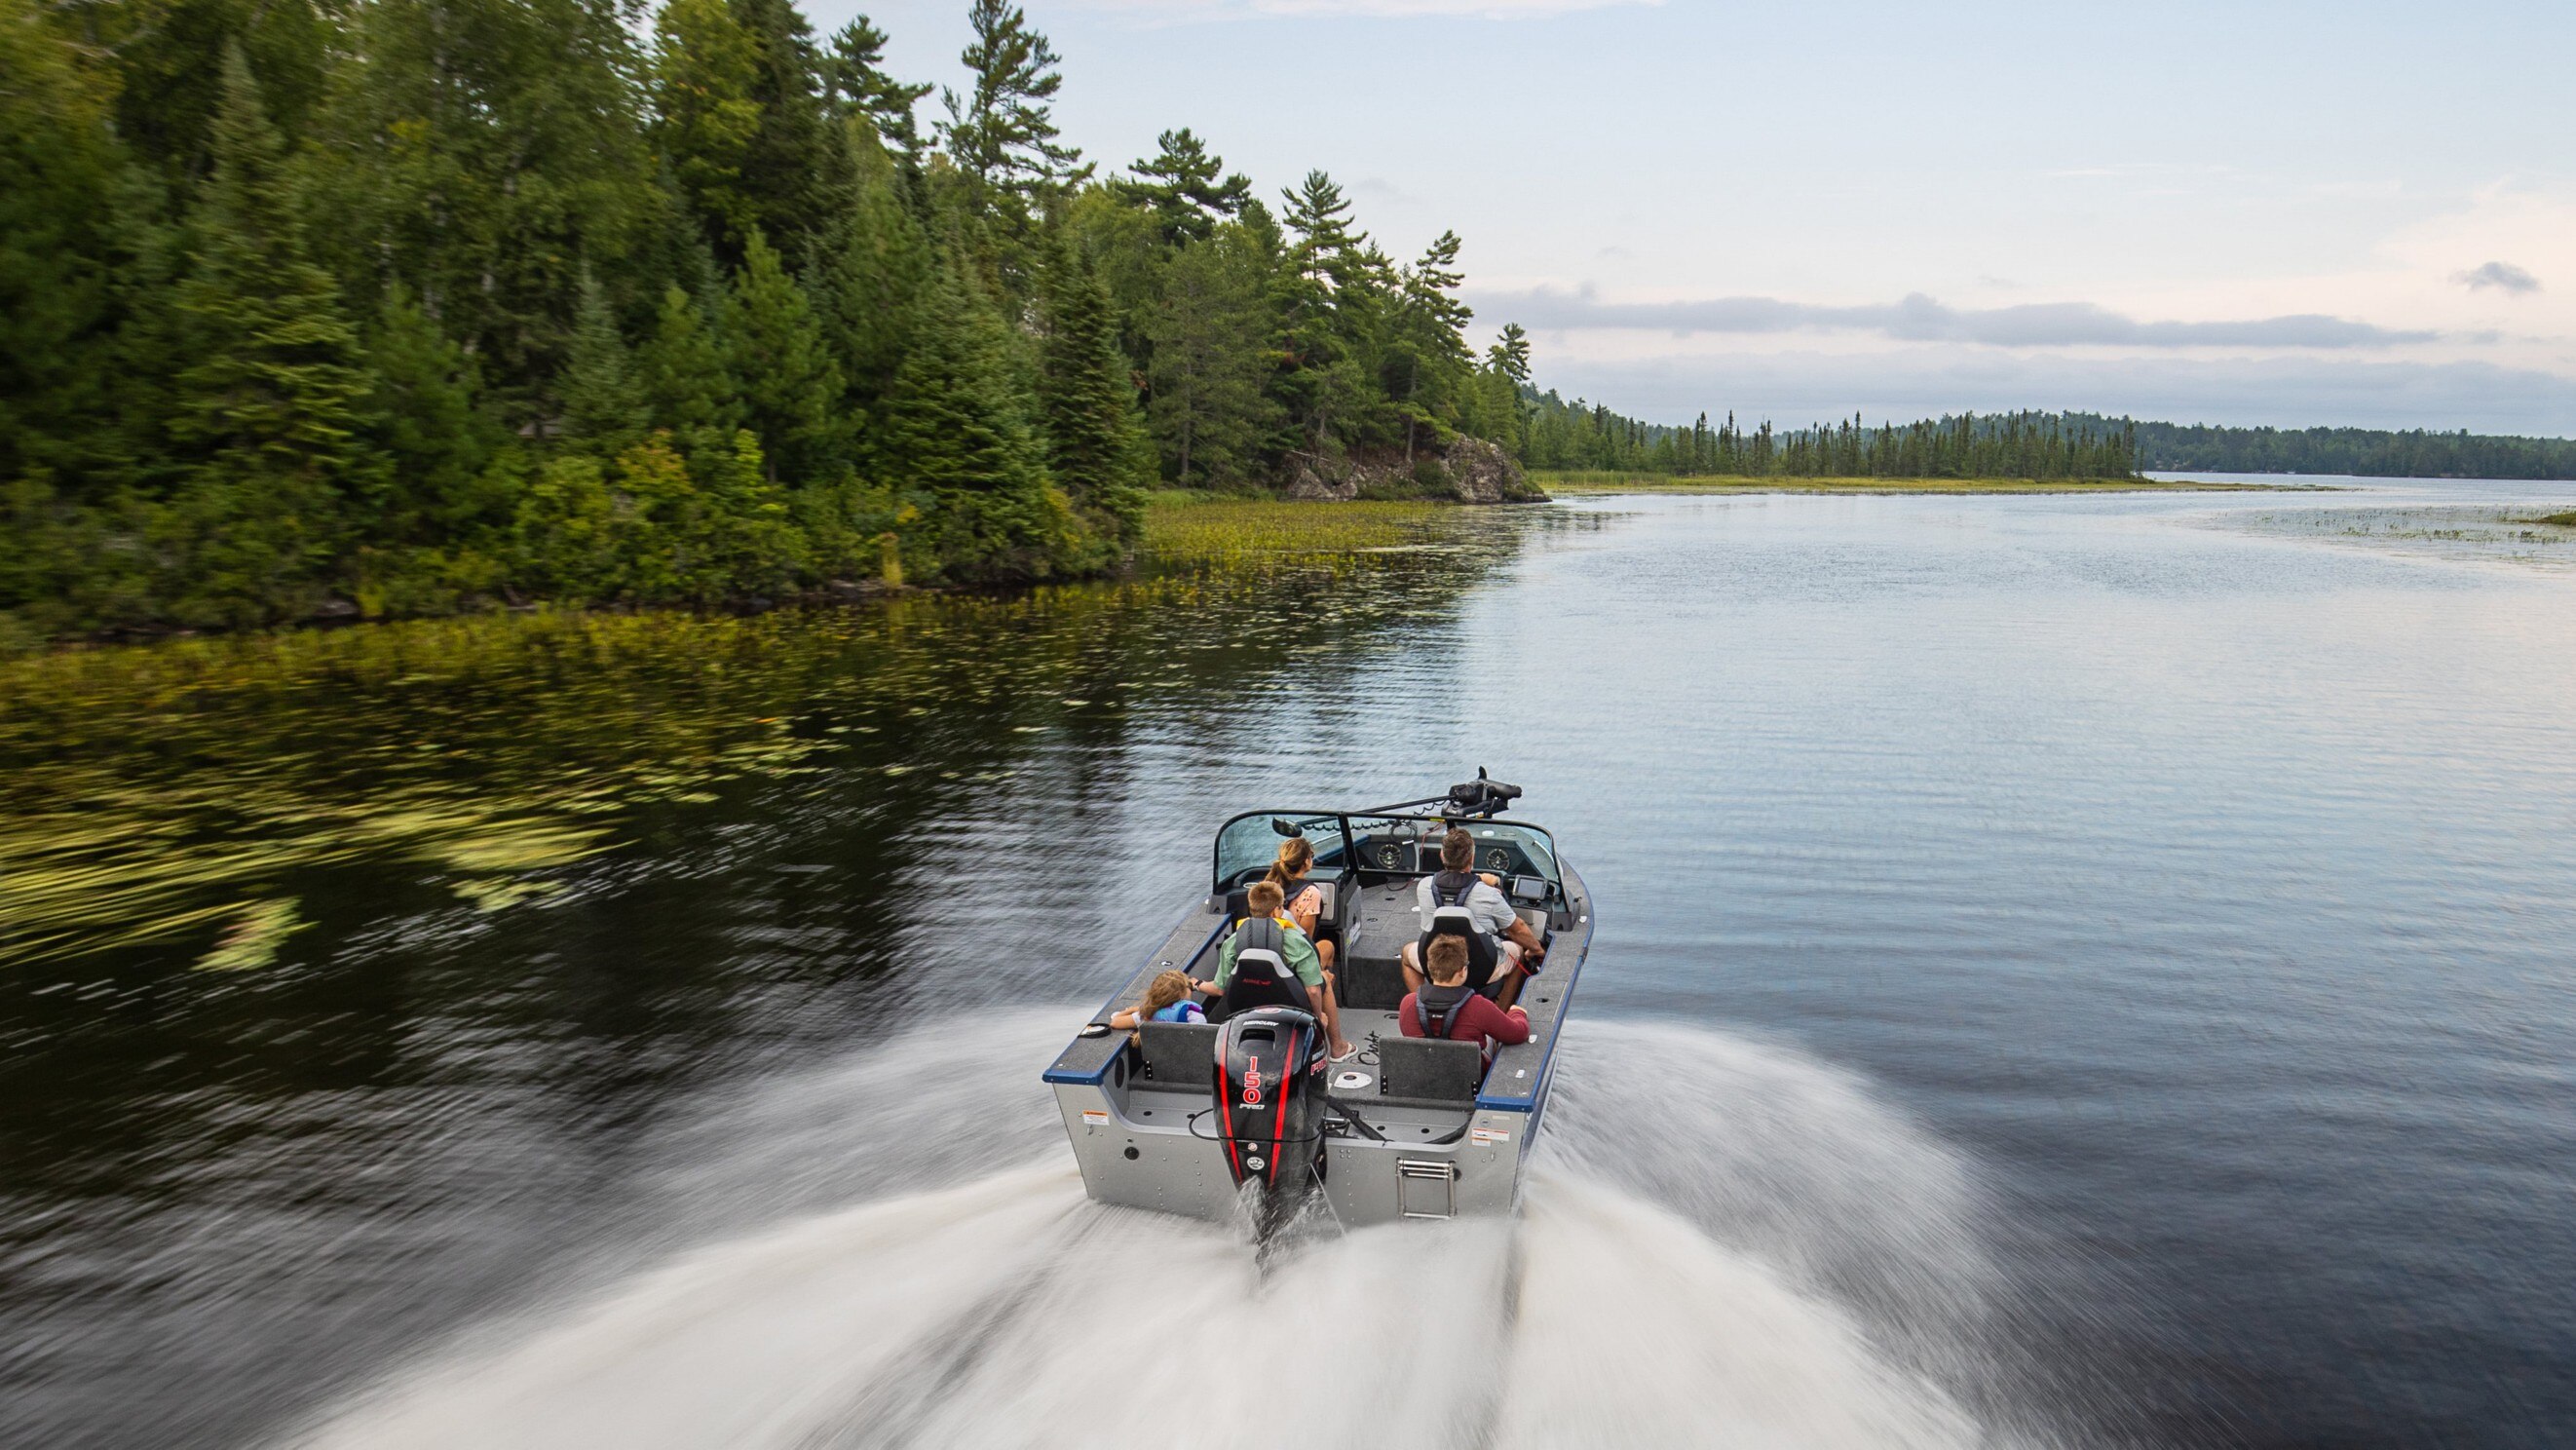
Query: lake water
[2072, 971]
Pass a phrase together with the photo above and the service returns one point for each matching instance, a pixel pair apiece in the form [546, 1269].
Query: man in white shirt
[1500, 940]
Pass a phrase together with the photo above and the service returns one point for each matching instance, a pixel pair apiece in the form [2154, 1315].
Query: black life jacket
[1262, 976]
[1436, 1019]
[1450, 917]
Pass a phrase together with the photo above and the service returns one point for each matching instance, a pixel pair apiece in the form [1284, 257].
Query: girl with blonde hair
[1170, 997]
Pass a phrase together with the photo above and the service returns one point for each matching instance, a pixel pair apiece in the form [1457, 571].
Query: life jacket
[1436, 1020]
[1262, 976]
[1450, 917]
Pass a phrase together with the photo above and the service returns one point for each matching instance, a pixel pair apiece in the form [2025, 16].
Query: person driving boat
[1501, 947]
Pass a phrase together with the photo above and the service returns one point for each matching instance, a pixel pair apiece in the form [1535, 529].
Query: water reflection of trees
[190, 803]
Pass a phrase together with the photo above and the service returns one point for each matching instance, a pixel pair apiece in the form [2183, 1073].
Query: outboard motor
[1270, 1099]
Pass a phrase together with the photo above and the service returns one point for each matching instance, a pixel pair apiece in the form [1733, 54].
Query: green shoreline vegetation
[415, 307]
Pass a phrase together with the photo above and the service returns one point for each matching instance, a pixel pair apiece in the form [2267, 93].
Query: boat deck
[1373, 923]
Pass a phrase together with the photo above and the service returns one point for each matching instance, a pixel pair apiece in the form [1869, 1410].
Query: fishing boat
[1246, 1116]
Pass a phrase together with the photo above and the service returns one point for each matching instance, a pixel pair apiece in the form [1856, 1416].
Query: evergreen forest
[1578, 436]
[1558, 435]
[2362, 452]
[398, 307]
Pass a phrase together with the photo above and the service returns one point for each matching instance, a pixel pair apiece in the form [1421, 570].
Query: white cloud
[2503, 276]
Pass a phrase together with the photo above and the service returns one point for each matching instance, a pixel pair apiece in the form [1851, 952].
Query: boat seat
[1369, 983]
[1180, 1056]
[1428, 1072]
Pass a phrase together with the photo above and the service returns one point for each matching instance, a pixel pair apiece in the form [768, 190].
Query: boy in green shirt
[1264, 899]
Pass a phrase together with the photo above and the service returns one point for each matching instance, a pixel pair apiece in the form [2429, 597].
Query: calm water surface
[2072, 970]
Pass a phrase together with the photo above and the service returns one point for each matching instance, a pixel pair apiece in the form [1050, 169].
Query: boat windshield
[1249, 843]
[1408, 845]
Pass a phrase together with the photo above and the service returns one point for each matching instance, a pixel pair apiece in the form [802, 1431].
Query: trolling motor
[1478, 799]
[1270, 1098]
[1482, 797]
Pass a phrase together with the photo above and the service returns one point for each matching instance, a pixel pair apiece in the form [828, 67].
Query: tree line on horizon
[2359, 452]
[1573, 436]
[400, 306]
[1562, 436]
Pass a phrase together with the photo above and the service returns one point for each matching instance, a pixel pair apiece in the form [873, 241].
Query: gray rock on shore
[1477, 472]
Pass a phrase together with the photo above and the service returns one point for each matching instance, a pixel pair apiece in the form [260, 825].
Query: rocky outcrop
[1470, 470]
[1307, 485]
[1482, 472]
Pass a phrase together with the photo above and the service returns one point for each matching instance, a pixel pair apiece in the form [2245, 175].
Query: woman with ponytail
[1305, 899]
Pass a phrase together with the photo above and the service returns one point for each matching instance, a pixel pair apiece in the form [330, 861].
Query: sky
[2252, 213]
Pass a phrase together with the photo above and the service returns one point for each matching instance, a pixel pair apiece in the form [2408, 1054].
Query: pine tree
[1002, 132]
[797, 169]
[1209, 329]
[791, 388]
[869, 270]
[268, 405]
[604, 407]
[687, 382]
[168, 60]
[1087, 392]
[1510, 354]
[1327, 307]
[1430, 352]
[428, 427]
[706, 68]
[1181, 186]
[957, 437]
[856, 83]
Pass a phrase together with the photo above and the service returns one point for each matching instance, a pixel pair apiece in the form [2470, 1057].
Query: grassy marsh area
[1584, 482]
[1185, 529]
[203, 794]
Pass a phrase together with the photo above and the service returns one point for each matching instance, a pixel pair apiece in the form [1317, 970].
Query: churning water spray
[1723, 1243]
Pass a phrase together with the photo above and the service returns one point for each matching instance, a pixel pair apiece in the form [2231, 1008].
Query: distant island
[1587, 437]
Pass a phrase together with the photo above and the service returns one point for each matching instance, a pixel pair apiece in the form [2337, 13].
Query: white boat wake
[1729, 1244]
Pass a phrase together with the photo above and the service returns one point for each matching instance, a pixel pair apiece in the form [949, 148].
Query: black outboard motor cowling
[1269, 1097]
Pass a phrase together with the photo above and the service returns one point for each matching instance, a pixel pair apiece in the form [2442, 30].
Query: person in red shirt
[1447, 1007]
